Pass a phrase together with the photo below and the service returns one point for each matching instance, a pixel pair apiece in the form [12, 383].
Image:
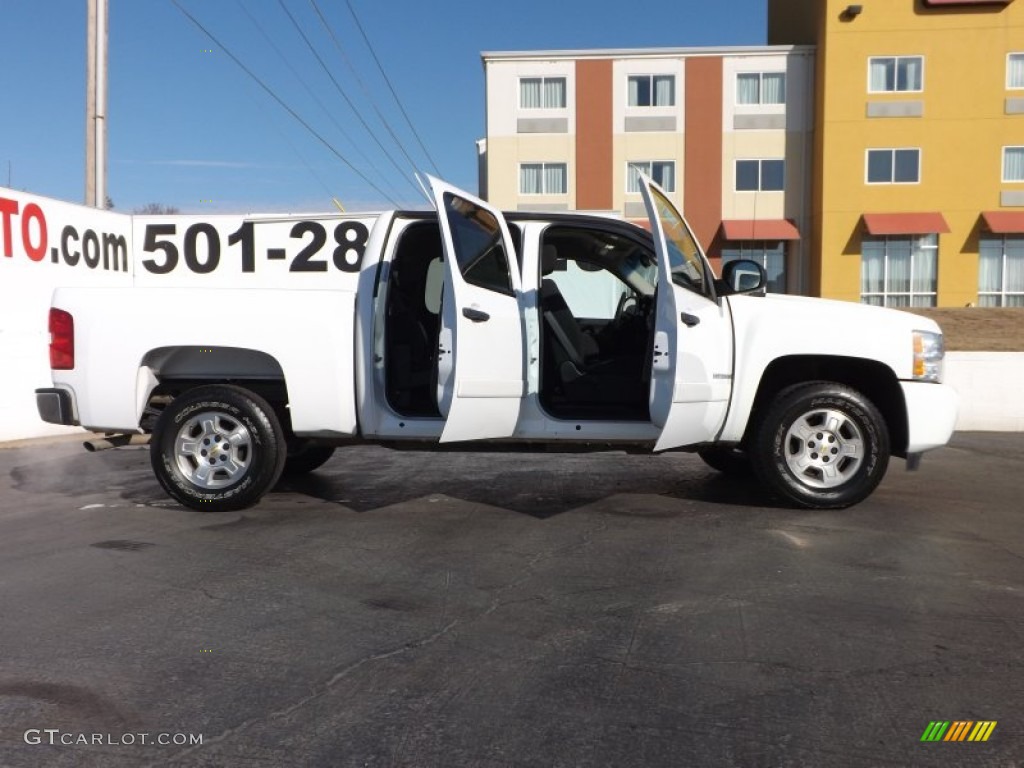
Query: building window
[1001, 271]
[543, 179]
[1013, 163]
[893, 166]
[761, 88]
[542, 93]
[893, 74]
[760, 175]
[769, 254]
[1015, 70]
[663, 172]
[899, 271]
[652, 90]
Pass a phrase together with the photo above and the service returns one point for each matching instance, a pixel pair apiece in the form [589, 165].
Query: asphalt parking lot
[457, 609]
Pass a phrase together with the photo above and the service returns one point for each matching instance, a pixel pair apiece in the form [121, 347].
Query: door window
[478, 245]
[687, 266]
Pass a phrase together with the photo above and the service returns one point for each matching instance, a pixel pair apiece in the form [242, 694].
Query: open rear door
[481, 370]
[691, 374]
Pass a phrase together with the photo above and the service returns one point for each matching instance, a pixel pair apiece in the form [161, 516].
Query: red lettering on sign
[8, 208]
[33, 212]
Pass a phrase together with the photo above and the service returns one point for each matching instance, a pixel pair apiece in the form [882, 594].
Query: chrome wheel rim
[213, 450]
[824, 448]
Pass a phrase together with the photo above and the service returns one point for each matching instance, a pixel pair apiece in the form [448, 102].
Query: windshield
[686, 264]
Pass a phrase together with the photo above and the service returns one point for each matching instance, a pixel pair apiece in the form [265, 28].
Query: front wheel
[218, 448]
[821, 445]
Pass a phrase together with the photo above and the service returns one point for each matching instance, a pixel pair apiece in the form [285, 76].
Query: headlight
[929, 350]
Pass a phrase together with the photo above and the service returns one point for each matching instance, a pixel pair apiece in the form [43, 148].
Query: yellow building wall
[961, 133]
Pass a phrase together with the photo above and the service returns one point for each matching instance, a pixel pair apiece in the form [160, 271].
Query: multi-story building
[727, 132]
[918, 171]
[871, 152]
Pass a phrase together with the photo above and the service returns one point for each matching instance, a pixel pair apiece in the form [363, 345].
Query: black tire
[305, 456]
[244, 468]
[729, 461]
[786, 451]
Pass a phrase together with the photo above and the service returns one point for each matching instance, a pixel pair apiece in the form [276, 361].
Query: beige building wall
[506, 153]
[638, 134]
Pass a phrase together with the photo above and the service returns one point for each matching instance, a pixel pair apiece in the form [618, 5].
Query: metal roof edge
[612, 53]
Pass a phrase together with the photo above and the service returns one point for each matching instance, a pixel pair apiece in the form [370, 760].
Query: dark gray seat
[572, 357]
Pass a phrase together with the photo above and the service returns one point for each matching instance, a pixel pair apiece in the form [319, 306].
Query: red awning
[760, 229]
[1004, 222]
[904, 223]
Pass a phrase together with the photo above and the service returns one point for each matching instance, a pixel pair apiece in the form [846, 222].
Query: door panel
[691, 376]
[481, 372]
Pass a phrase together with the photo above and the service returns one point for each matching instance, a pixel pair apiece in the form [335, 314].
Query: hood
[796, 307]
[778, 325]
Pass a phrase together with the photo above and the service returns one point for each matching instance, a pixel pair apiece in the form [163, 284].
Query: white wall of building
[44, 244]
[503, 110]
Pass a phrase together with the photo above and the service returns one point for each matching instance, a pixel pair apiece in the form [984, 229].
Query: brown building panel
[594, 134]
[702, 182]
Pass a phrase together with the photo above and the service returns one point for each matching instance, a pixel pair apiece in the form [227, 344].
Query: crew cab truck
[465, 326]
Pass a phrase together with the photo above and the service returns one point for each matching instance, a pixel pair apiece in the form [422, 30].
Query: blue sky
[188, 128]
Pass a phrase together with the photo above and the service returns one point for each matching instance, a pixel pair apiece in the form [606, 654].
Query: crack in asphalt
[318, 692]
[326, 687]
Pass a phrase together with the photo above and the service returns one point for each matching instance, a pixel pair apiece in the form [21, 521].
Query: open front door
[691, 375]
[481, 368]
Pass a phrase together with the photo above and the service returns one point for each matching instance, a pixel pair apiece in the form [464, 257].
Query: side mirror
[742, 276]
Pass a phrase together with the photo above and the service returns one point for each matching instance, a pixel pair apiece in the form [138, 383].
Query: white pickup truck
[252, 346]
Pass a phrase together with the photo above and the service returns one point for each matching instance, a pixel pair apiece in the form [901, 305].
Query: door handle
[688, 319]
[476, 315]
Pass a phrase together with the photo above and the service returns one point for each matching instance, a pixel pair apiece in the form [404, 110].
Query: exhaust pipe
[114, 441]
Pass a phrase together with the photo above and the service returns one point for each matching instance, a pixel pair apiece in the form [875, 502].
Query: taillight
[62, 340]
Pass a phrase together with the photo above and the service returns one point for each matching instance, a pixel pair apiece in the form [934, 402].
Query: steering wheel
[628, 304]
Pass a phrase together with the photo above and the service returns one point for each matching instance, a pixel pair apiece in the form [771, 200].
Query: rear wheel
[821, 445]
[305, 456]
[218, 448]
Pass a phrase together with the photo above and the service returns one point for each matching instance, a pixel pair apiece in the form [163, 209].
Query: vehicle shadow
[366, 478]
[539, 485]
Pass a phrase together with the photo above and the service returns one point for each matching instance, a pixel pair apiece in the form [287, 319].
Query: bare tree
[156, 209]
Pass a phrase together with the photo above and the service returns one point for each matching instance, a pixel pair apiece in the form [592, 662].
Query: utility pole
[96, 104]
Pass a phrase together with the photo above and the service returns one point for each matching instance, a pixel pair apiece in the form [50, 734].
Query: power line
[315, 98]
[391, 87]
[344, 95]
[280, 101]
[362, 85]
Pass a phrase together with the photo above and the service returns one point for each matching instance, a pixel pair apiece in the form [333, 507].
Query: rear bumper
[55, 406]
[931, 414]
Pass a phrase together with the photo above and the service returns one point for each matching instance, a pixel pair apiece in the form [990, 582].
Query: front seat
[572, 344]
[581, 374]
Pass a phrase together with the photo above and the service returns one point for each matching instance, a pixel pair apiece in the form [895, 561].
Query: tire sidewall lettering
[182, 416]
